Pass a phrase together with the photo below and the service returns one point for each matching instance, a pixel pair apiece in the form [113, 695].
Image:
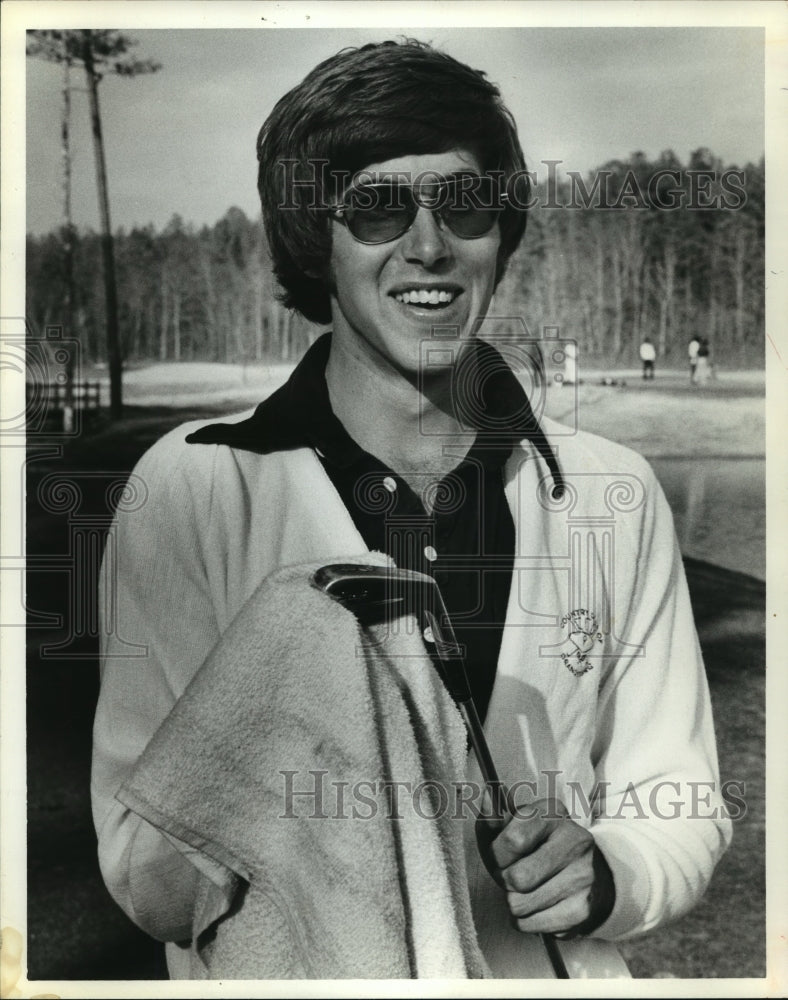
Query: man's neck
[390, 416]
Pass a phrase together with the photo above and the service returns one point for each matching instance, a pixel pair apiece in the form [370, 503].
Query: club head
[376, 594]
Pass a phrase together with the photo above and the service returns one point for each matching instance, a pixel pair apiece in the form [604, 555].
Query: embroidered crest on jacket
[582, 632]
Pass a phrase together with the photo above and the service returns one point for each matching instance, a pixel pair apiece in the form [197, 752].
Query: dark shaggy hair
[362, 106]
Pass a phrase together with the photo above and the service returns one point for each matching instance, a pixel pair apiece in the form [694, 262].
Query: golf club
[375, 594]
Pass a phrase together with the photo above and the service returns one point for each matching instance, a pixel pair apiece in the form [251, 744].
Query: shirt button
[430, 554]
[390, 484]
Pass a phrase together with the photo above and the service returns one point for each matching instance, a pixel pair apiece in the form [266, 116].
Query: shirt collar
[299, 414]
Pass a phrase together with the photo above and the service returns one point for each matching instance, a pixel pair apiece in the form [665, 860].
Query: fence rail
[84, 395]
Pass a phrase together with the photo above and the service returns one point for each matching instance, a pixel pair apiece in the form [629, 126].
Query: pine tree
[98, 52]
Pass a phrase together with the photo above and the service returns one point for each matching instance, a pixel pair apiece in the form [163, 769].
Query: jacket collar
[299, 414]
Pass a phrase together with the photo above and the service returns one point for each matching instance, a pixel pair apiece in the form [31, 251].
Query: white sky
[182, 141]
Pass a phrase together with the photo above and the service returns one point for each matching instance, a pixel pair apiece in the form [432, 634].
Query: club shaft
[481, 749]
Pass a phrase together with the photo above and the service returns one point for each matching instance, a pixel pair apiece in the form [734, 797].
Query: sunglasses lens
[472, 207]
[470, 223]
[378, 213]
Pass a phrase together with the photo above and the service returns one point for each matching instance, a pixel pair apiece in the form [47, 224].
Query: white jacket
[600, 677]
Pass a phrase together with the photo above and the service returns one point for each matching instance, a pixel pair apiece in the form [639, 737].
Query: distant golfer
[692, 351]
[703, 366]
[394, 193]
[570, 363]
[648, 355]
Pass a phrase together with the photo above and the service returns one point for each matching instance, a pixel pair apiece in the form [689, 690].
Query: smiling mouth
[432, 298]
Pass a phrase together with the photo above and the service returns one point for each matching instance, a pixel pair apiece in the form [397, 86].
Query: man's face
[375, 288]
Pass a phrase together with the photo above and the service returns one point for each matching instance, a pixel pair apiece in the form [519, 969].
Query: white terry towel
[293, 688]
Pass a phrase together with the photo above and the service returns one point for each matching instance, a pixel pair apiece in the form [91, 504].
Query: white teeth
[423, 296]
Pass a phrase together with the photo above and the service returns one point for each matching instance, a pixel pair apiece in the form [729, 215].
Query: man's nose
[426, 242]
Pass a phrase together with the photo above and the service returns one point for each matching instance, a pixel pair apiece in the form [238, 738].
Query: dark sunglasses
[468, 205]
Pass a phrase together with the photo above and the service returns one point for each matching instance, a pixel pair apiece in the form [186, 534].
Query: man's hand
[557, 881]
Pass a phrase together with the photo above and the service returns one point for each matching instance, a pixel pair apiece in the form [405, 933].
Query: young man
[394, 190]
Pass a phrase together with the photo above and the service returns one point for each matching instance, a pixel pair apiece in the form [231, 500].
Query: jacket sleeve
[157, 626]
[662, 822]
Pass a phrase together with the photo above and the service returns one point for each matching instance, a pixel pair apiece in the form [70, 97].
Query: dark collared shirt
[465, 540]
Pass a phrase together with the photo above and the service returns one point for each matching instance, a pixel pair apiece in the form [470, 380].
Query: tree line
[661, 249]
